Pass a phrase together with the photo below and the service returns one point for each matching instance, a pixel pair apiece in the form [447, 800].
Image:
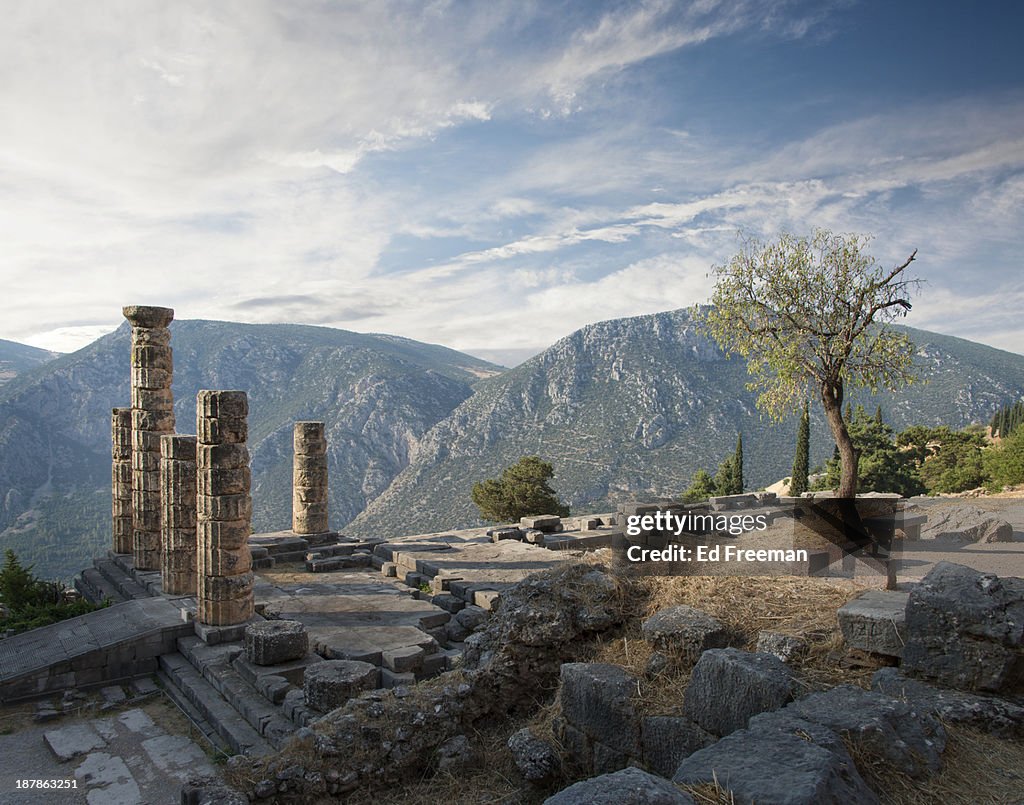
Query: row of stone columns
[181, 504]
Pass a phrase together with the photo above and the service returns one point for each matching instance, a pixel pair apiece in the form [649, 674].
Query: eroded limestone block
[629, 786]
[782, 760]
[331, 683]
[273, 642]
[885, 728]
[965, 630]
[597, 699]
[683, 632]
[876, 621]
[728, 686]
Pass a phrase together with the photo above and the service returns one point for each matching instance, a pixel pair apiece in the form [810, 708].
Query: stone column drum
[178, 515]
[309, 479]
[121, 478]
[152, 416]
[224, 509]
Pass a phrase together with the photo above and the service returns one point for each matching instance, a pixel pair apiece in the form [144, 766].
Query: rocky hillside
[17, 358]
[377, 394]
[633, 407]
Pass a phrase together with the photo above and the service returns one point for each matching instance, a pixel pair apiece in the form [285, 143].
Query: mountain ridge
[678, 402]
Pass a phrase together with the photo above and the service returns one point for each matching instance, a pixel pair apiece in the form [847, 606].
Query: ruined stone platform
[121, 641]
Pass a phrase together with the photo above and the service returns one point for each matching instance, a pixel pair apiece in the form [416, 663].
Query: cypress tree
[802, 459]
[878, 414]
[737, 462]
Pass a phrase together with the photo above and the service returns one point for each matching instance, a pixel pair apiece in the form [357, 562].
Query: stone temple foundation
[178, 514]
[152, 416]
[309, 479]
[224, 509]
[121, 478]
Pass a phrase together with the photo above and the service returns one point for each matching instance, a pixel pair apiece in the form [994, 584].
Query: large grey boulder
[669, 740]
[536, 759]
[965, 523]
[597, 699]
[683, 632]
[780, 760]
[728, 686]
[626, 787]
[987, 713]
[965, 630]
[906, 739]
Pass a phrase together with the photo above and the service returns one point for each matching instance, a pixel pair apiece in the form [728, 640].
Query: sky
[494, 175]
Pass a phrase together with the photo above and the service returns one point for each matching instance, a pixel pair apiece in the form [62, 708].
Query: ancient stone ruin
[121, 479]
[309, 479]
[152, 417]
[224, 509]
[178, 514]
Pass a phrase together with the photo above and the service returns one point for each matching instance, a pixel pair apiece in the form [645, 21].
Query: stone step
[214, 663]
[193, 713]
[188, 683]
[96, 588]
[124, 582]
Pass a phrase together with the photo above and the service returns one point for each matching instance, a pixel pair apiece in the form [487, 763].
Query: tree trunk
[832, 401]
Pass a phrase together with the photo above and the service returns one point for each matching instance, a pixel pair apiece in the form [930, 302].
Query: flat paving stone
[73, 740]
[177, 757]
[110, 780]
[138, 721]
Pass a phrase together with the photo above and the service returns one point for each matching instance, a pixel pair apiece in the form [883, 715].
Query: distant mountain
[17, 358]
[633, 407]
[377, 393]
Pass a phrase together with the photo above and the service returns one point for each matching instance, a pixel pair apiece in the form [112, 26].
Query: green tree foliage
[701, 487]
[31, 602]
[1004, 464]
[725, 478]
[1007, 419]
[882, 466]
[813, 312]
[947, 460]
[19, 588]
[522, 491]
[802, 459]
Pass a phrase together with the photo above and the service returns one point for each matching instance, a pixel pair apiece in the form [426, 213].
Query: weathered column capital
[147, 316]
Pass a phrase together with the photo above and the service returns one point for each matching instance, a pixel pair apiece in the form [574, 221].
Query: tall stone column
[152, 416]
[309, 479]
[224, 509]
[178, 514]
[121, 478]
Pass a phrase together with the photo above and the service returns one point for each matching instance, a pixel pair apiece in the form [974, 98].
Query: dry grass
[978, 769]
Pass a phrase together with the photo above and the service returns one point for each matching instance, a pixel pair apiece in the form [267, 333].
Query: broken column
[121, 478]
[224, 509]
[178, 514]
[152, 416]
[309, 479]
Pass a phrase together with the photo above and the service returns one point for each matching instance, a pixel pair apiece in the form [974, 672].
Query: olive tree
[813, 313]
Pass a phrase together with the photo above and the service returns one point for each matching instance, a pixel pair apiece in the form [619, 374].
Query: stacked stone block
[309, 479]
[121, 479]
[223, 509]
[178, 515]
[152, 417]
